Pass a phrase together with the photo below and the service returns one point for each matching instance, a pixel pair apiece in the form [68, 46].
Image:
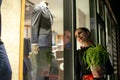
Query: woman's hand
[97, 71]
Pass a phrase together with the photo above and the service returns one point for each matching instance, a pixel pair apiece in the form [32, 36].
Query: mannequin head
[46, 1]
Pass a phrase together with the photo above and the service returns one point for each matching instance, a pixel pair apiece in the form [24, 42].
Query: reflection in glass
[101, 35]
[82, 14]
[101, 9]
[43, 31]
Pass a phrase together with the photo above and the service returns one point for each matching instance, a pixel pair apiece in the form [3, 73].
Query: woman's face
[81, 36]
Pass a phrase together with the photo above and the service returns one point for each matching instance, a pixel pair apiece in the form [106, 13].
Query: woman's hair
[85, 30]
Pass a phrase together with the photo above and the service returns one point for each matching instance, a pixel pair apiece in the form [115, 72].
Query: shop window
[53, 51]
[101, 8]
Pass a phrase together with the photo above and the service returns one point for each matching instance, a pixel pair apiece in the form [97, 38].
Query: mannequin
[41, 38]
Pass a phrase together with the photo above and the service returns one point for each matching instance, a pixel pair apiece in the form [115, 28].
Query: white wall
[83, 15]
[10, 11]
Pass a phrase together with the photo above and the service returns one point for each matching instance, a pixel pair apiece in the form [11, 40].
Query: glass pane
[100, 8]
[101, 35]
[82, 14]
[43, 40]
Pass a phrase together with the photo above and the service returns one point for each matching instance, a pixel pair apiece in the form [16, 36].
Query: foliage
[95, 56]
[49, 56]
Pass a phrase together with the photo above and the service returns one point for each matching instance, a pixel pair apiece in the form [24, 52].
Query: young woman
[82, 35]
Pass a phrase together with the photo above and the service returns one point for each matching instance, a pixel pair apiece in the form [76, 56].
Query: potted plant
[95, 57]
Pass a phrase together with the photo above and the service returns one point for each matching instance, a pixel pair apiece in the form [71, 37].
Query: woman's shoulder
[81, 50]
[77, 51]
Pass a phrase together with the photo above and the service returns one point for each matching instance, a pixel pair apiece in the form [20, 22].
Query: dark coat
[41, 25]
[5, 68]
[80, 66]
[27, 46]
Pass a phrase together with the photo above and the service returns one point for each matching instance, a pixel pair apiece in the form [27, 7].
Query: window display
[44, 27]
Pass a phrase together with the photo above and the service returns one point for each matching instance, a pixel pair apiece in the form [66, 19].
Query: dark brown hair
[85, 30]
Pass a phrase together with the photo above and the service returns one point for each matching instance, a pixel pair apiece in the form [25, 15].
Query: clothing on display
[41, 35]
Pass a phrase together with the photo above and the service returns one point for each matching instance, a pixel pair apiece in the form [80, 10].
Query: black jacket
[80, 66]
